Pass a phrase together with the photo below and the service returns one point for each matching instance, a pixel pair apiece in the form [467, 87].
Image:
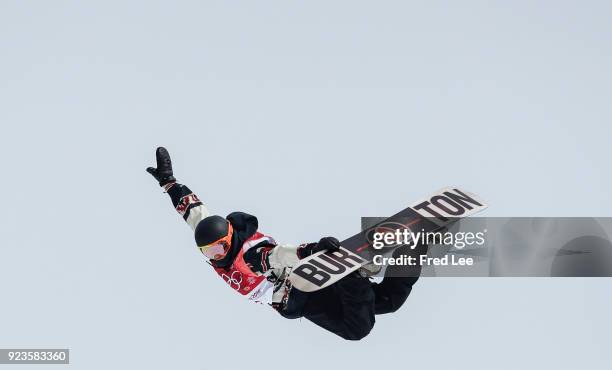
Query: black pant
[348, 307]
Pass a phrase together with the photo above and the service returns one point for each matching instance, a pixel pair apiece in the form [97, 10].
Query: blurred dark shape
[583, 256]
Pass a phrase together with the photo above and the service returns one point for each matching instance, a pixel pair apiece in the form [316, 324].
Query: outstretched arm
[186, 203]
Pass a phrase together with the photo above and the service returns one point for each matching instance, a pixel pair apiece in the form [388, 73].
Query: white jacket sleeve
[187, 204]
[282, 256]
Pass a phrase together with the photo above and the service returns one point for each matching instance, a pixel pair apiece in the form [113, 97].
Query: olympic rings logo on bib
[234, 279]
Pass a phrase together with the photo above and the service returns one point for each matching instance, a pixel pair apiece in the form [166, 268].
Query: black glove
[163, 172]
[329, 243]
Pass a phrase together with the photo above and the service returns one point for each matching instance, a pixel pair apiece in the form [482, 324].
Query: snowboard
[438, 211]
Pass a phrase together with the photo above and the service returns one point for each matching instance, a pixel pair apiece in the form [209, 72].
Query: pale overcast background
[308, 115]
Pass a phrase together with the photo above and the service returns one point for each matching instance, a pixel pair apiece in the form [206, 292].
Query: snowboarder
[256, 266]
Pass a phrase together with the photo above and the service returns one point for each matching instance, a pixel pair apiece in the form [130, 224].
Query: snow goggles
[219, 248]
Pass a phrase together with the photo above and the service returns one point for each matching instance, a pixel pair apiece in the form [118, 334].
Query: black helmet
[211, 229]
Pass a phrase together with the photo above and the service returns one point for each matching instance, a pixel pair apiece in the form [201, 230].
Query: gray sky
[308, 116]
